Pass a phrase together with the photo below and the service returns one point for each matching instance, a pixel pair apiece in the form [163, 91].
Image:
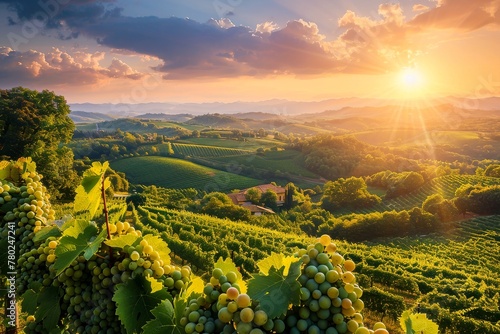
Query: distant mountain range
[274, 109]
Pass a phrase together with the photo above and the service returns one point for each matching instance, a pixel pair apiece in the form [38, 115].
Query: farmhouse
[240, 198]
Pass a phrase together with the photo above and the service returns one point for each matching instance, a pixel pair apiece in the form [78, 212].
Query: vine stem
[105, 208]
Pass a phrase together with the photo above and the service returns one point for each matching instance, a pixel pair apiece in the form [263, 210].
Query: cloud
[59, 67]
[185, 48]
[419, 7]
[53, 11]
[459, 15]
[374, 46]
[218, 48]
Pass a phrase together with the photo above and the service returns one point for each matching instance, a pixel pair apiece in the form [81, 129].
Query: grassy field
[177, 173]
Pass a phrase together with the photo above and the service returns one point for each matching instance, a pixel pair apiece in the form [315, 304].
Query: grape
[337, 259]
[362, 330]
[260, 317]
[224, 315]
[134, 256]
[247, 314]
[322, 258]
[216, 273]
[319, 278]
[231, 277]
[243, 300]
[325, 240]
[232, 307]
[381, 331]
[302, 325]
[243, 328]
[279, 326]
[232, 293]
[352, 326]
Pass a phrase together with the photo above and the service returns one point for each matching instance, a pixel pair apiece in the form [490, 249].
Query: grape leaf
[277, 261]
[417, 323]
[46, 232]
[226, 266]
[49, 308]
[4, 169]
[155, 285]
[160, 246]
[81, 237]
[135, 301]
[30, 299]
[122, 241]
[165, 320]
[195, 286]
[88, 193]
[276, 291]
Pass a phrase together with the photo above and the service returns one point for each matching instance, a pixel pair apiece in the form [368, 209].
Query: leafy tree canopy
[33, 124]
[350, 192]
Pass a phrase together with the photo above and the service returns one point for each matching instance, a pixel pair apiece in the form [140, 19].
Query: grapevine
[79, 276]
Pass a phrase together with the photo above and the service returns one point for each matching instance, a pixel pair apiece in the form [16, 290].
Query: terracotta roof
[265, 187]
[237, 198]
[257, 208]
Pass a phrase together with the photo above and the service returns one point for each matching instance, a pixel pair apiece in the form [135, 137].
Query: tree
[220, 205]
[34, 124]
[350, 192]
[253, 195]
[269, 199]
[170, 150]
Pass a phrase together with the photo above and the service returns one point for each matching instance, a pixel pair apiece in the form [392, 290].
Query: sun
[410, 77]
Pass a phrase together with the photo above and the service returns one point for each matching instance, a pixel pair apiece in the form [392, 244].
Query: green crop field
[204, 151]
[287, 161]
[177, 173]
[248, 144]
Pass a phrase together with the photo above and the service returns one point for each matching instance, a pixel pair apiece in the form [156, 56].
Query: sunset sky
[135, 51]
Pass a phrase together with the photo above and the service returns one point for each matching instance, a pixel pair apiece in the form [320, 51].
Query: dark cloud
[54, 12]
[218, 47]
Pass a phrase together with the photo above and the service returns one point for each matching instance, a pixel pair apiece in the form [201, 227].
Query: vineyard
[453, 278]
[176, 173]
[87, 275]
[203, 151]
[286, 161]
[445, 186]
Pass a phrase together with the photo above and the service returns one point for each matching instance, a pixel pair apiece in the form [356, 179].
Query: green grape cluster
[224, 309]
[36, 266]
[25, 208]
[330, 299]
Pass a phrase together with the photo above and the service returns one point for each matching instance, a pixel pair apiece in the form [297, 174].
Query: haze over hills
[257, 110]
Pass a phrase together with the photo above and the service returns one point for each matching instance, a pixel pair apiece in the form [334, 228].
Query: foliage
[269, 199]
[253, 195]
[220, 205]
[397, 184]
[33, 124]
[350, 192]
[479, 199]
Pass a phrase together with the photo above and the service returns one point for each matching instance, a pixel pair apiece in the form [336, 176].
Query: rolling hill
[178, 174]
